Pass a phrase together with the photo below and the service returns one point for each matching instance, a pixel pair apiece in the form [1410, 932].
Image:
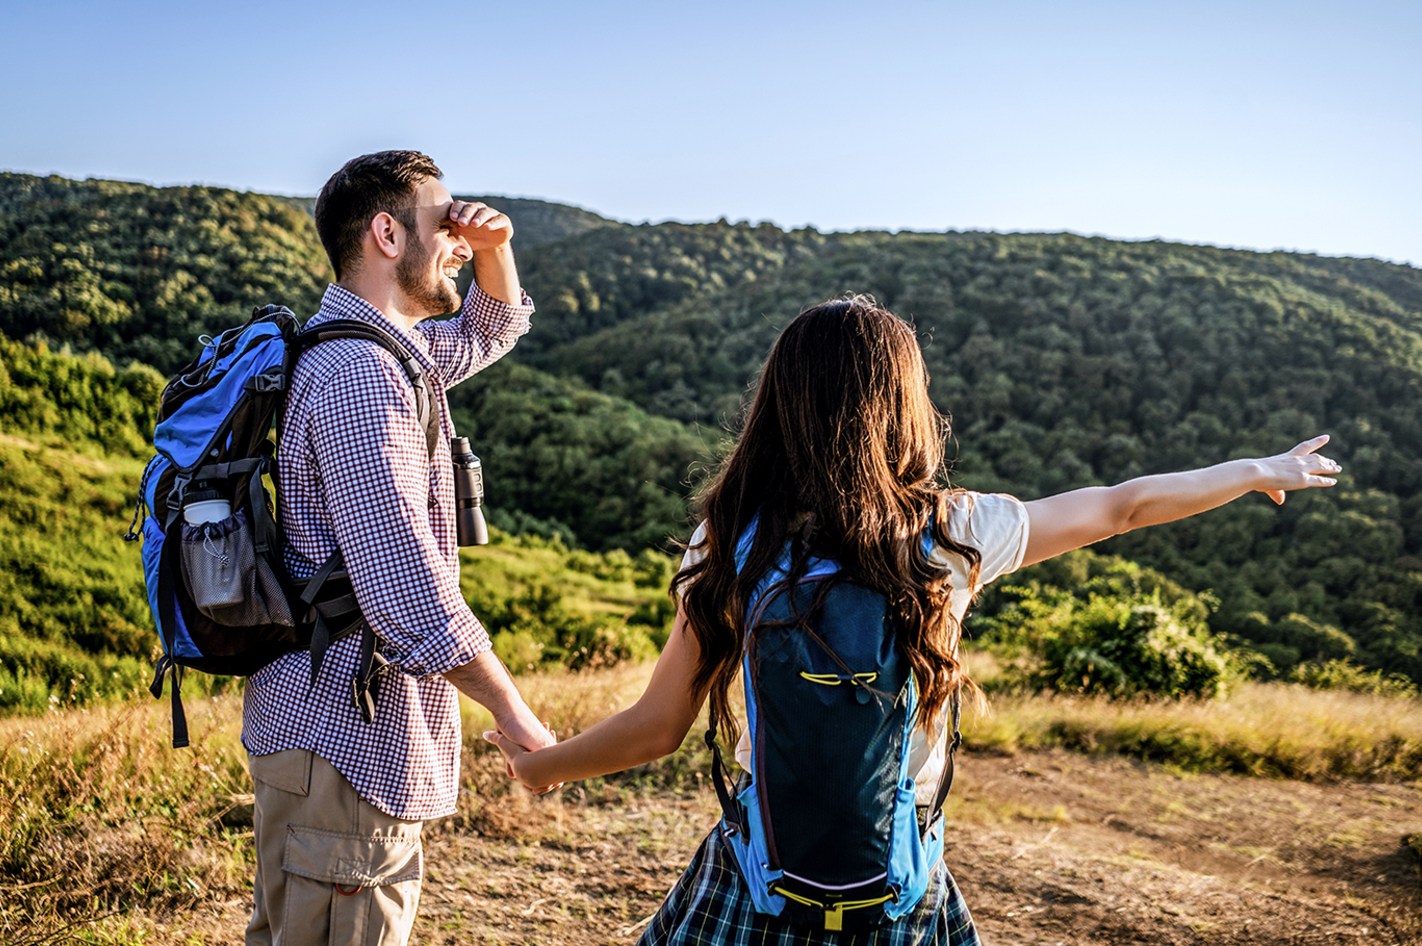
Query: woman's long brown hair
[843, 450]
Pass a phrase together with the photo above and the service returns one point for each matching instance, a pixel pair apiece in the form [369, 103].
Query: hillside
[74, 619]
[1064, 361]
[594, 468]
[138, 272]
[1068, 361]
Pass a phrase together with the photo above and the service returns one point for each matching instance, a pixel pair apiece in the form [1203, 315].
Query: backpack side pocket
[228, 581]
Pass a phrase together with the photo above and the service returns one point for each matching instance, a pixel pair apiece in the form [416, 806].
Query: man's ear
[388, 235]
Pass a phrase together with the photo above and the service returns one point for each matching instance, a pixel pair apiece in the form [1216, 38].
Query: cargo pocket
[363, 888]
[359, 860]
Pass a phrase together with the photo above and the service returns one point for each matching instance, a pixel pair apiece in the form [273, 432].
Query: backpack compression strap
[353, 328]
[168, 626]
[735, 815]
[945, 778]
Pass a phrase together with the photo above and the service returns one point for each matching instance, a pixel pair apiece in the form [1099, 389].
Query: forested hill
[1068, 361]
[135, 271]
[140, 272]
[1063, 360]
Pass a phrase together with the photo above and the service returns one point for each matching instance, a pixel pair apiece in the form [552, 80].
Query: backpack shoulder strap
[314, 335]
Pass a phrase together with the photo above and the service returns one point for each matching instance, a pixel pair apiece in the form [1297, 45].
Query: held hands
[1300, 468]
[515, 760]
[483, 227]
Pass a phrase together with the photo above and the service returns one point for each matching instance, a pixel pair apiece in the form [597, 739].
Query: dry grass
[1274, 730]
[571, 701]
[101, 814]
[103, 818]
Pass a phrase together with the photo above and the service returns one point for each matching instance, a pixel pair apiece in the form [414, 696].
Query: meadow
[113, 837]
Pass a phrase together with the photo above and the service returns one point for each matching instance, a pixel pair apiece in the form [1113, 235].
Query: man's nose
[462, 250]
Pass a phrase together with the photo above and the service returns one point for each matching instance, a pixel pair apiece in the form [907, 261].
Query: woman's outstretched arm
[652, 727]
[1068, 521]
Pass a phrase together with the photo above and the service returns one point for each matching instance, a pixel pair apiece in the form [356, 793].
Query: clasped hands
[516, 755]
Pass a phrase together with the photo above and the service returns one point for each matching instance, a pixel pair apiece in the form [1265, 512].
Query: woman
[841, 457]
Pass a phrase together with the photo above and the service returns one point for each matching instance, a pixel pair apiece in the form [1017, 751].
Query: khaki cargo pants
[332, 869]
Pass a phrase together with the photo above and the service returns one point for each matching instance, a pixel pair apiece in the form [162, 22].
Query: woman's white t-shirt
[996, 525]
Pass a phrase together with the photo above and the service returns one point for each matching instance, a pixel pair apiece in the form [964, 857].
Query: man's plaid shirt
[356, 474]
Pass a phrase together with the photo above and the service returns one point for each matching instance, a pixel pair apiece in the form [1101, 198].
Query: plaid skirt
[711, 905]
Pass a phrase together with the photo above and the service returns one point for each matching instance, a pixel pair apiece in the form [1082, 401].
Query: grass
[1275, 730]
[75, 628]
[103, 818]
[102, 815]
[73, 615]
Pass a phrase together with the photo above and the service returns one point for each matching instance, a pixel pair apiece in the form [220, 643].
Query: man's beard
[426, 289]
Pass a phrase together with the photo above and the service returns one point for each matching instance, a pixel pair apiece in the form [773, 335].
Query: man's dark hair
[365, 186]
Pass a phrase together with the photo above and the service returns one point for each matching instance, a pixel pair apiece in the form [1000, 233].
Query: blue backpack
[212, 544]
[824, 827]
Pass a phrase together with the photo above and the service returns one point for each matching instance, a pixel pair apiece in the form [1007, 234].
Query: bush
[1124, 648]
[1346, 675]
[536, 628]
[1111, 628]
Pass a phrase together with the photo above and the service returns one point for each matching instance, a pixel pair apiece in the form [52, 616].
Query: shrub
[1346, 675]
[1123, 648]
[1086, 623]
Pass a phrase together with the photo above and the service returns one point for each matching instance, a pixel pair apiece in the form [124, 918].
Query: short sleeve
[993, 523]
[695, 549]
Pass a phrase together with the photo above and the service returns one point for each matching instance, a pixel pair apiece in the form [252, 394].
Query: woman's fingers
[511, 752]
[1320, 467]
[1309, 446]
[1301, 468]
[507, 746]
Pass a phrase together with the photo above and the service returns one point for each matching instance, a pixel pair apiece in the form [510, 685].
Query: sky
[1255, 124]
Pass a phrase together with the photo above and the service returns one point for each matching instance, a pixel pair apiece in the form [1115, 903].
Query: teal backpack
[824, 826]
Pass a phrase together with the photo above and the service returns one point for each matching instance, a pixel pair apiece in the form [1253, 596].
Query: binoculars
[468, 494]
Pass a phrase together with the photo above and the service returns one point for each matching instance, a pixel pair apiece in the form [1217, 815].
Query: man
[340, 801]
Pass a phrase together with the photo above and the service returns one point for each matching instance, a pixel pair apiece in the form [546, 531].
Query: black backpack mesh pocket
[229, 582]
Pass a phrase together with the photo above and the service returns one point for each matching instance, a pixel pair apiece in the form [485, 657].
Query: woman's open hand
[1300, 468]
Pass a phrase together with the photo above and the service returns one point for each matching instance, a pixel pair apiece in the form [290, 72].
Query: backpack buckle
[266, 382]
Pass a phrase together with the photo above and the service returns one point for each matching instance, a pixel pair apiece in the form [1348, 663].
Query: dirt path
[1106, 851]
[1050, 848]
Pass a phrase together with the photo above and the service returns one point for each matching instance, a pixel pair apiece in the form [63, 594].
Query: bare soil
[1049, 848]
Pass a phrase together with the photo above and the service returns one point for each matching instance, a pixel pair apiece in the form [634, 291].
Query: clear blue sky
[1265, 124]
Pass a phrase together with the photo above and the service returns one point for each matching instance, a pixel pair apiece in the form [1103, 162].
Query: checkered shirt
[356, 474]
